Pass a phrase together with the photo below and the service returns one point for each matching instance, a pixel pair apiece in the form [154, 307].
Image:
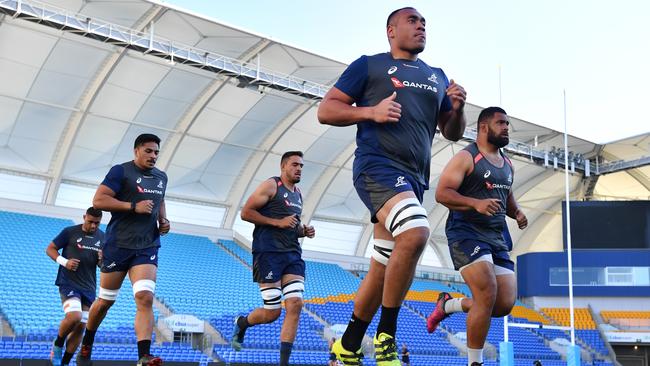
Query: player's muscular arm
[450, 180]
[452, 123]
[53, 252]
[105, 200]
[163, 223]
[336, 109]
[511, 206]
[514, 211]
[262, 195]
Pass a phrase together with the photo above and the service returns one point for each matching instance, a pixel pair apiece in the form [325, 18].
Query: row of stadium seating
[200, 278]
[582, 317]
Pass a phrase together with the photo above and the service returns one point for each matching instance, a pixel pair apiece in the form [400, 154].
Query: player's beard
[498, 141]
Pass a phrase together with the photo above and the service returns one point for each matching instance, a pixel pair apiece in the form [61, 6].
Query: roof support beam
[197, 107]
[75, 122]
[245, 180]
[324, 182]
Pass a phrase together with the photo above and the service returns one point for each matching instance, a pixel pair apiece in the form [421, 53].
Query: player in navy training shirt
[76, 278]
[134, 193]
[275, 208]
[399, 100]
[476, 186]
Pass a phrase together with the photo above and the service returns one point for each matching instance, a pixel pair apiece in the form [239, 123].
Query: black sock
[388, 321]
[67, 356]
[285, 353]
[59, 341]
[89, 337]
[242, 323]
[354, 333]
[144, 347]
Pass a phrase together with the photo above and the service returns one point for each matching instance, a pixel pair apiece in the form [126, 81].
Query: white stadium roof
[77, 89]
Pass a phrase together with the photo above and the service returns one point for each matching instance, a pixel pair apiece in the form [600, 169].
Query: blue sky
[599, 51]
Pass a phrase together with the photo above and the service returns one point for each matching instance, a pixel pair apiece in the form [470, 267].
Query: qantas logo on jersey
[87, 247]
[402, 84]
[491, 186]
[291, 204]
[147, 190]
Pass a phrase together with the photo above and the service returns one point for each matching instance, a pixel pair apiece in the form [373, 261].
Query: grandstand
[71, 102]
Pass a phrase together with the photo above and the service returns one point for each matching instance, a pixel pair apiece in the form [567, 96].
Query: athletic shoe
[438, 314]
[346, 357]
[83, 357]
[236, 341]
[386, 350]
[149, 360]
[56, 355]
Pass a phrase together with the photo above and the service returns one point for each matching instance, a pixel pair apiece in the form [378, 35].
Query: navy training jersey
[284, 203]
[128, 229]
[85, 247]
[485, 181]
[421, 90]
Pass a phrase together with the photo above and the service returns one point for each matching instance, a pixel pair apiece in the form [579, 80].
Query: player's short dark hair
[144, 138]
[391, 15]
[289, 154]
[488, 112]
[95, 212]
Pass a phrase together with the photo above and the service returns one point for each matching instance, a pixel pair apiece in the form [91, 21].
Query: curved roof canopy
[71, 104]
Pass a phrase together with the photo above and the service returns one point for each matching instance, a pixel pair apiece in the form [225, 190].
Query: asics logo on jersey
[152, 257]
[111, 265]
[71, 293]
[138, 180]
[392, 70]
[400, 181]
[79, 240]
[476, 250]
[487, 174]
[286, 194]
[269, 276]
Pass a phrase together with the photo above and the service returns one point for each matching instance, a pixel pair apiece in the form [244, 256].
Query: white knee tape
[272, 297]
[293, 288]
[144, 285]
[84, 317]
[106, 294]
[381, 250]
[406, 214]
[72, 304]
